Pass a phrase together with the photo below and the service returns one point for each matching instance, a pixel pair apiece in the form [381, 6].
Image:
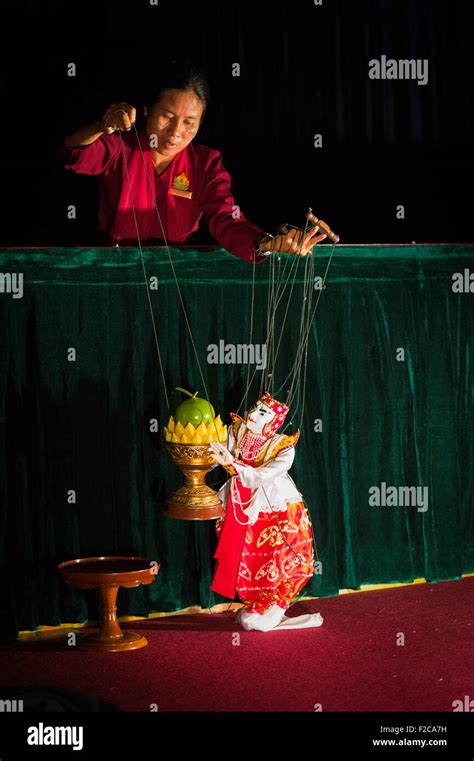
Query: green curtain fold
[85, 425]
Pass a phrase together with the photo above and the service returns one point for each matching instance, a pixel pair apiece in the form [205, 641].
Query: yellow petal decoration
[215, 430]
[189, 431]
[201, 429]
[179, 429]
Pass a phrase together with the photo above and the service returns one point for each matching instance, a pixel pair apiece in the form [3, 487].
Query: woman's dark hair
[182, 75]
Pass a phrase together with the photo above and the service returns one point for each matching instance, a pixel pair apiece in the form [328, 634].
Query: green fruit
[194, 410]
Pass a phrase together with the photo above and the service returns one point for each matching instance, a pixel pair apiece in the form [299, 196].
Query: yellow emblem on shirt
[181, 182]
[180, 185]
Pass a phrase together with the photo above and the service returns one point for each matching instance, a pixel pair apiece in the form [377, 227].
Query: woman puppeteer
[157, 166]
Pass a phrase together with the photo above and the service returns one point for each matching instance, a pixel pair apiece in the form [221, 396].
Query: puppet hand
[220, 453]
[292, 241]
[119, 116]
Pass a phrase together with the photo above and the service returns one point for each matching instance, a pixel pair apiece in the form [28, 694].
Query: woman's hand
[221, 454]
[119, 116]
[292, 241]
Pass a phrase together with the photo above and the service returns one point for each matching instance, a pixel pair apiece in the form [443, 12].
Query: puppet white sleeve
[252, 477]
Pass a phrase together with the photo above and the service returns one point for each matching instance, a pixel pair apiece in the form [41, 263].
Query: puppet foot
[301, 622]
[258, 621]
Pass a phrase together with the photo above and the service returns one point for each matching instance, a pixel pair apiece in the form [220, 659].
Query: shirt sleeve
[100, 157]
[252, 477]
[227, 224]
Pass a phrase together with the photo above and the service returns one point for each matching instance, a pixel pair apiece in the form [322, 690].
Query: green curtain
[85, 425]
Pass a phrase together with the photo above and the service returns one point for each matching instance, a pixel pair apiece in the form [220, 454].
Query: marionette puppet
[265, 552]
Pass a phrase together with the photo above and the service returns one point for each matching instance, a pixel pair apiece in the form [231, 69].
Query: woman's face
[258, 417]
[175, 120]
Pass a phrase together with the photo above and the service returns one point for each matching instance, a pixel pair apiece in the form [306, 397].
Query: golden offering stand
[195, 500]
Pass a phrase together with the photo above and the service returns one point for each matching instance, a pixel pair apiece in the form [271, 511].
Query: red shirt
[197, 169]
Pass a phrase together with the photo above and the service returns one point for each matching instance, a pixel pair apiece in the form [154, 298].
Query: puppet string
[155, 332]
[185, 314]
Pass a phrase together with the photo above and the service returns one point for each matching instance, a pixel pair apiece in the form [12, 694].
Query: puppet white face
[258, 417]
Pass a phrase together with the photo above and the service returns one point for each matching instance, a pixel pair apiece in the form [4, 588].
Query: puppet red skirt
[266, 563]
[277, 559]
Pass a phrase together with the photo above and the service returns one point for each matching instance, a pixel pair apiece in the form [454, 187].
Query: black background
[304, 70]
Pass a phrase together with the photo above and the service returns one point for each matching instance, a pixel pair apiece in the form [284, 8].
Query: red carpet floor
[351, 663]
